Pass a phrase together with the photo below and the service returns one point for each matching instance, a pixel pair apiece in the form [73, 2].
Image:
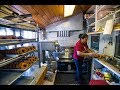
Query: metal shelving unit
[7, 77]
[19, 69]
[15, 41]
[14, 77]
[10, 60]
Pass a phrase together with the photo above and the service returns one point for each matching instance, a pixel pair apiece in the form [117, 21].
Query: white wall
[70, 24]
[110, 48]
[73, 23]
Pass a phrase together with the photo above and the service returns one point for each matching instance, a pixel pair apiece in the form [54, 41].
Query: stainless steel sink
[113, 61]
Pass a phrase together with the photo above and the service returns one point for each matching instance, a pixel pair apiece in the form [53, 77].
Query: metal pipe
[38, 44]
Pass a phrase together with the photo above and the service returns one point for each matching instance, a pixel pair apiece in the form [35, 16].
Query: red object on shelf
[98, 82]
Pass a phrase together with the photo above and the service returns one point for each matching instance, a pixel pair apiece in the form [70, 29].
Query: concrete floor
[69, 79]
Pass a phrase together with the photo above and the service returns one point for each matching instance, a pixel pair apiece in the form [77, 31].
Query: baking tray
[12, 69]
[15, 41]
[13, 55]
[8, 58]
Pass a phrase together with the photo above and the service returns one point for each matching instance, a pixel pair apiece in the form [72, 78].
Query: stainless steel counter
[65, 60]
[8, 77]
[25, 81]
[109, 66]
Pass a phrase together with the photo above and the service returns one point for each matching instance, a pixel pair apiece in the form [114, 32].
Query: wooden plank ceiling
[43, 15]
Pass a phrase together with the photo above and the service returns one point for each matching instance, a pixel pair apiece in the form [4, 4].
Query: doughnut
[31, 59]
[31, 48]
[28, 62]
[35, 57]
[1, 37]
[28, 49]
[11, 37]
[4, 37]
[21, 50]
[34, 48]
[23, 65]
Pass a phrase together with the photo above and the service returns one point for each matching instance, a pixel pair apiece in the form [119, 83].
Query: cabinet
[105, 13]
[103, 66]
[102, 13]
[11, 70]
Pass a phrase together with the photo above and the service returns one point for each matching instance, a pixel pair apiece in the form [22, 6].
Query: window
[17, 32]
[117, 46]
[9, 31]
[2, 31]
[27, 34]
[33, 34]
[95, 42]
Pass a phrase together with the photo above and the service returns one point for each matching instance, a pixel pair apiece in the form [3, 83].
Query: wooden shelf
[108, 15]
[95, 32]
[92, 16]
[117, 11]
[105, 17]
[92, 24]
[105, 7]
[41, 75]
[116, 29]
[117, 18]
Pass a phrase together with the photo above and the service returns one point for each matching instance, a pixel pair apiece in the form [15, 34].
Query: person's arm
[92, 51]
[82, 54]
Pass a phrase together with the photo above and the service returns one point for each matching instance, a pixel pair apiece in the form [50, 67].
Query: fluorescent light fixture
[68, 10]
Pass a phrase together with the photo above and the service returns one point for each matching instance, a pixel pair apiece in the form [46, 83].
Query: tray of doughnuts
[21, 64]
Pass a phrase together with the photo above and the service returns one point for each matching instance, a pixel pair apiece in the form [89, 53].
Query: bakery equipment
[46, 54]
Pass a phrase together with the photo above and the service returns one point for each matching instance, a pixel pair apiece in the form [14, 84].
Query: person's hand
[93, 54]
[102, 56]
[97, 55]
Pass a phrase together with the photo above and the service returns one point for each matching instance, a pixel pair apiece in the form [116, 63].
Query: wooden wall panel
[53, 9]
[30, 9]
[39, 22]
